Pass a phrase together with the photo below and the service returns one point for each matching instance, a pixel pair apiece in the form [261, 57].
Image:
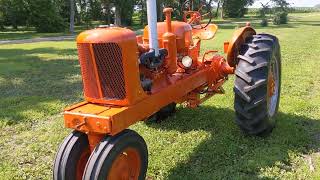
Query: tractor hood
[103, 35]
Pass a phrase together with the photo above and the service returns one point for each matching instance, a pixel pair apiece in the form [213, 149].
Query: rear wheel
[72, 157]
[258, 84]
[124, 156]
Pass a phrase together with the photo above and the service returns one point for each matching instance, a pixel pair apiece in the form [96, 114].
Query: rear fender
[233, 47]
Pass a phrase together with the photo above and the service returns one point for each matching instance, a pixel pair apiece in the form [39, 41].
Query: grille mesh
[87, 69]
[108, 57]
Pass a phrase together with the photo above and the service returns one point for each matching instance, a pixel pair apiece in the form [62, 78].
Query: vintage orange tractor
[129, 78]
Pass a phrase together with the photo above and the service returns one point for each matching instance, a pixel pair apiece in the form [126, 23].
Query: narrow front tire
[72, 157]
[124, 156]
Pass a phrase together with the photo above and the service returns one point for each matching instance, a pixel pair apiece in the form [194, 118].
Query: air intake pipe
[155, 57]
[152, 24]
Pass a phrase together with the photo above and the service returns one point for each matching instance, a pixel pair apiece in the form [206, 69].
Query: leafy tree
[14, 12]
[281, 12]
[83, 11]
[1, 16]
[126, 11]
[317, 6]
[45, 16]
[161, 4]
[282, 5]
[219, 3]
[63, 8]
[1, 21]
[142, 11]
[263, 13]
[106, 11]
[265, 10]
[236, 8]
[96, 9]
[280, 17]
[87, 13]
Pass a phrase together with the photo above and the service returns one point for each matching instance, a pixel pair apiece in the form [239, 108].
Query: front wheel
[258, 84]
[72, 157]
[124, 156]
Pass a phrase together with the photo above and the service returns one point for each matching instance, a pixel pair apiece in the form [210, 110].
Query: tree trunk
[14, 23]
[218, 7]
[108, 14]
[15, 26]
[222, 10]
[108, 18]
[117, 19]
[106, 7]
[72, 14]
[78, 16]
[142, 17]
[159, 10]
[181, 14]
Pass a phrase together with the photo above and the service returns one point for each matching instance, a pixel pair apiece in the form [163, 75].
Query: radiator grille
[108, 58]
[87, 69]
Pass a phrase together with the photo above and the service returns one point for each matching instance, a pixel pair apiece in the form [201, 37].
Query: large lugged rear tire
[258, 84]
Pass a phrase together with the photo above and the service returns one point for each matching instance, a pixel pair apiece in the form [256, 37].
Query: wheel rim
[127, 165]
[82, 163]
[273, 87]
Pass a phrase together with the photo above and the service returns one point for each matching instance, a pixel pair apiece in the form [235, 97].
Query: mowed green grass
[17, 35]
[29, 33]
[38, 80]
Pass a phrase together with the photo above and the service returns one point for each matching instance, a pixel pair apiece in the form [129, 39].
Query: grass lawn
[28, 33]
[38, 80]
[15, 35]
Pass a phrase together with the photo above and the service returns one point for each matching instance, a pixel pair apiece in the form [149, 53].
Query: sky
[294, 3]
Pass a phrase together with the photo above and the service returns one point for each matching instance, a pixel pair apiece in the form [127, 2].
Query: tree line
[56, 15]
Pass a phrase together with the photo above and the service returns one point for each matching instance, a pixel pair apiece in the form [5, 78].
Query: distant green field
[38, 80]
[291, 10]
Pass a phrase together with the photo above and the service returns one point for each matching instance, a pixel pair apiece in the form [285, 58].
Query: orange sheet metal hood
[102, 35]
[178, 28]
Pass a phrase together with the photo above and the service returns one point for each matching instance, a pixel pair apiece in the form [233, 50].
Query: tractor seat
[205, 34]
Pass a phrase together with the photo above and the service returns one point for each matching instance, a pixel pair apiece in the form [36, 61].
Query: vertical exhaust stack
[152, 24]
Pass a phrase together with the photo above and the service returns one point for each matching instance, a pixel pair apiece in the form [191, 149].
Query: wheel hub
[126, 166]
[271, 85]
[82, 163]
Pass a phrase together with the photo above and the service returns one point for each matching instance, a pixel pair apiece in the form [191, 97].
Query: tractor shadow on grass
[33, 81]
[230, 154]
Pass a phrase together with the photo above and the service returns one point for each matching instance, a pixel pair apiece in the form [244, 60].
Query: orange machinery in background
[128, 78]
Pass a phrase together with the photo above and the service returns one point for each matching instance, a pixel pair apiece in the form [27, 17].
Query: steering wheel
[197, 13]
